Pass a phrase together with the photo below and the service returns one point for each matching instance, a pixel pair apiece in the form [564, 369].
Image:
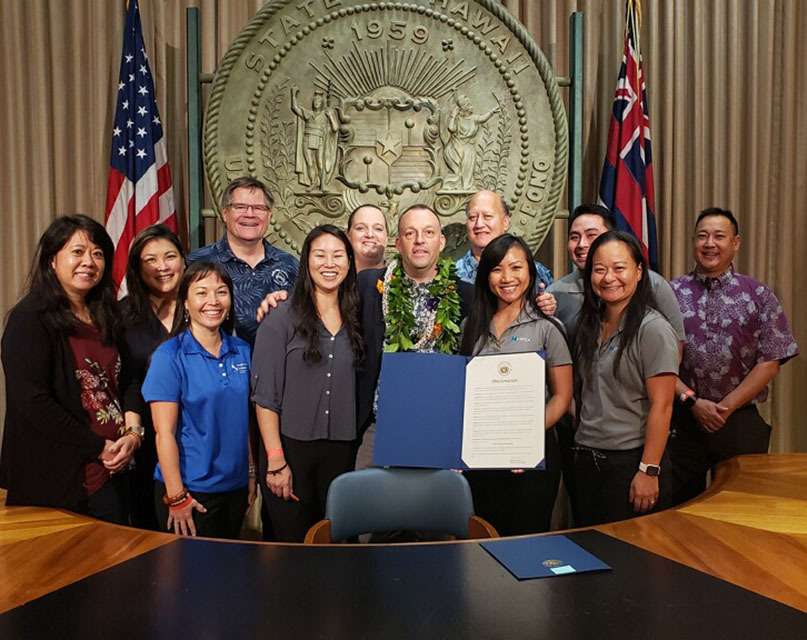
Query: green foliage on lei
[442, 334]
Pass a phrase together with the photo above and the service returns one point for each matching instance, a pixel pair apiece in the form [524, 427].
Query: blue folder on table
[421, 400]
[543, 557]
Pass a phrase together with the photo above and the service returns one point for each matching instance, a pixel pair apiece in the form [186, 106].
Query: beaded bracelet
[181, 505]
[172, 500]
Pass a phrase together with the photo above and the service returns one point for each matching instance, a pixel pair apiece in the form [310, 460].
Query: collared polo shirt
[613, 410]
[568, 292]
[213, 397]
[276, 272]
[733, 323]
[467, 267]
[529, 332]
[315, 400]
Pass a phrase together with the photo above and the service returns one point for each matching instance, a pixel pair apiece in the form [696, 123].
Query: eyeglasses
[240, 207]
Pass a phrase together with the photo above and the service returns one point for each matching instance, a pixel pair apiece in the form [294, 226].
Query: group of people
[238, 368]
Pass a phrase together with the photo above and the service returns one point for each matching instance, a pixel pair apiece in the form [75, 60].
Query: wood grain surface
[749, 528]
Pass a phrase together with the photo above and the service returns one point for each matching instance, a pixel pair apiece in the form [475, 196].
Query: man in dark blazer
[419, 243]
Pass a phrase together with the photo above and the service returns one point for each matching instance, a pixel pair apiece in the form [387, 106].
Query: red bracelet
[181, 505]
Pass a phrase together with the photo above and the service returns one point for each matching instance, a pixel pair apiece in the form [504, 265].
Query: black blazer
[371, 317]
[47, 438]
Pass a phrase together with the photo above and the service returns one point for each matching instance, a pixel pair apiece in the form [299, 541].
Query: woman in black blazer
[66, 443]
[155, 266]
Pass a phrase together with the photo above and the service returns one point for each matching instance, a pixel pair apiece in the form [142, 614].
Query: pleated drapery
[727, 88]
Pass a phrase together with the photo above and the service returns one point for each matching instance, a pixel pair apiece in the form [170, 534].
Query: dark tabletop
[201, 589]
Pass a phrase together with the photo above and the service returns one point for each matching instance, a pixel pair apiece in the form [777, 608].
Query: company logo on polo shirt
[520, 339]
[240, 367]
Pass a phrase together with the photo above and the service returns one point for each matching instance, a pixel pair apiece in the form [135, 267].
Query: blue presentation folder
[421, 401]
[543, 557]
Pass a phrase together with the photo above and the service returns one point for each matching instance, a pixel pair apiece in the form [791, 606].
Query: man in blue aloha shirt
[256, 267]
[488, 217]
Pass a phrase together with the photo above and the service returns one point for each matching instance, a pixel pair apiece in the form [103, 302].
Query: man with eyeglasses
[256, 267]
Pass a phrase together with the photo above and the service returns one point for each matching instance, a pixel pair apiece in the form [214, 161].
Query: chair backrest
[375, 500]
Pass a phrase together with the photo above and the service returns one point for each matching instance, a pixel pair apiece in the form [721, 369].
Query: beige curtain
[725, 82]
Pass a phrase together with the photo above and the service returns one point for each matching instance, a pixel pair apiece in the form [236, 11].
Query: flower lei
[441, 329]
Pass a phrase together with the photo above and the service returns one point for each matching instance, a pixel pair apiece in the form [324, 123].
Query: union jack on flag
[139, 190]
[626, 187]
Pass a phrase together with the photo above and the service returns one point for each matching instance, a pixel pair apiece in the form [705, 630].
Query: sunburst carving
[417, 72]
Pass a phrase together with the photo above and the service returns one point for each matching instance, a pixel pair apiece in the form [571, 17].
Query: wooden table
[749, 529]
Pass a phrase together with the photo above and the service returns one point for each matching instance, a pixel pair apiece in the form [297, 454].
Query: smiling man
[737, 339]
[367, 231]
[429, 288]
[488, 217]
[256, 267]
[587, 223]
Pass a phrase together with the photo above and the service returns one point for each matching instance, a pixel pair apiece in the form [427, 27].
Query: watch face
[652, 470]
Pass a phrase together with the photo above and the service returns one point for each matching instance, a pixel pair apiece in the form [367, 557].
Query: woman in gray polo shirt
[505, 319]
[303, 384]
[626, 361]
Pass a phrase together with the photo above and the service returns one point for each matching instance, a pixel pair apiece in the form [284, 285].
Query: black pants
[314, 464]
[111, 502]
[522, 503]
[564, 429]
[142, 486]
[224, 516]
[603, 479]
[694, 451]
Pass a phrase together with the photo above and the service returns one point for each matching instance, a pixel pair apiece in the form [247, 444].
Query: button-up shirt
[468, 265]
[315, 400]
[732, 323]
[213, 397]
[277, 271]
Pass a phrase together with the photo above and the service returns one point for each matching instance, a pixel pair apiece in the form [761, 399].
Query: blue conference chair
[380, 500]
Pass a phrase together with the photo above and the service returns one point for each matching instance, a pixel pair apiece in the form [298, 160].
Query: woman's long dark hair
[304, 307]
[485, 301]
[591, 314]
[42, 279]
[198, 271]
[137, 301]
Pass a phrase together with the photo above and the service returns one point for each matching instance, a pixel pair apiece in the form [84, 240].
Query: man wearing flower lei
[415, 304]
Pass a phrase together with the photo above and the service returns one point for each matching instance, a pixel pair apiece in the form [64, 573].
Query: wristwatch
[650, 469]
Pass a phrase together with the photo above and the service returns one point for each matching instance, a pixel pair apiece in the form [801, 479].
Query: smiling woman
[155, 267]
[198, 389]
[628, 361]
[304, 387]
[66, 443]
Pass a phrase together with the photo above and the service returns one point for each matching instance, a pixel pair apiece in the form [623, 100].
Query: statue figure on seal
[317, 141]
[459, 152]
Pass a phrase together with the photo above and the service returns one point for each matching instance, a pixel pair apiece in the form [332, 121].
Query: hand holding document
[503, 421]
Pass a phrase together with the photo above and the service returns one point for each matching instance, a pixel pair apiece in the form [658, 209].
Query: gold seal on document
[337, 103]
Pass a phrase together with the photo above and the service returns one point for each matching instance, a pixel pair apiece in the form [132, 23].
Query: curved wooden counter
[749, 528]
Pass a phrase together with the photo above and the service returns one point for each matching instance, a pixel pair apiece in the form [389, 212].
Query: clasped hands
[117, 454]
[711, 416]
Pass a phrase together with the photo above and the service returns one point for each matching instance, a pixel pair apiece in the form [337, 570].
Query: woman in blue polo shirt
[198, 389]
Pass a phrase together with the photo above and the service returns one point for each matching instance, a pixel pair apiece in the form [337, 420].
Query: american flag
[626, 187]
[139, 191]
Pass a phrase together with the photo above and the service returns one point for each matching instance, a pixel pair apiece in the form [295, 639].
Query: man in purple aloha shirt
[737, 337]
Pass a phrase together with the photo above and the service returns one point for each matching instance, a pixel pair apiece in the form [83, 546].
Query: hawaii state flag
[626, 187]
[139, 190]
